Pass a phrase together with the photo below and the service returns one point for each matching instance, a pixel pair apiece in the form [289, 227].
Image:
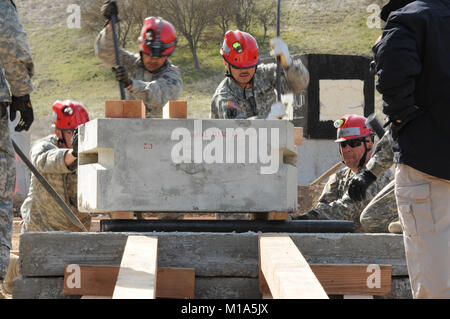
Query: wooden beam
[176, 283]
[348, 279]
[175, 110]
[285, 270]
[298, 136]
[270, 216]
[138, 269]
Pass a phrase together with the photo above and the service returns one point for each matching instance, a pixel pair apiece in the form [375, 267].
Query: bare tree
[225, 13]
[190, 18]
[244, 13]
[266, 15]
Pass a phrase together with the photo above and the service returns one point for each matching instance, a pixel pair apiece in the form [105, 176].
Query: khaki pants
[423, 202]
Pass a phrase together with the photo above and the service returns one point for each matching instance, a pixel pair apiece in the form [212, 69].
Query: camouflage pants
[7, 183]
[381, 211]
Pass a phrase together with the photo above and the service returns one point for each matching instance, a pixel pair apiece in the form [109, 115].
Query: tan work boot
[395, 227]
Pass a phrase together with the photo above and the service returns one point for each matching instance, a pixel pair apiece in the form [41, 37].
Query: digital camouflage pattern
[16, 69]
[40, 212]
[378, 209]
[230, 101]
[155, 89]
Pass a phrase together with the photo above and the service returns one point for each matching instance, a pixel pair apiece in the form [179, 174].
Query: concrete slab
[187, 165]
[211, 254]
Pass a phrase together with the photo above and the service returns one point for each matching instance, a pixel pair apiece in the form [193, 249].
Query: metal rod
[67, 211]
[278, 58]
[117, 53]
[238, 226]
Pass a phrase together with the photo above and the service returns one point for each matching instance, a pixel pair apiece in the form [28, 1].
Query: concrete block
[187, 165]
[39, 288]
[210, 254]
[226, 288]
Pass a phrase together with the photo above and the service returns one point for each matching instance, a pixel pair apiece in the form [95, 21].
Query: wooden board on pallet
[138, 269]
[176, 283]
[285, 270]
[348, 279]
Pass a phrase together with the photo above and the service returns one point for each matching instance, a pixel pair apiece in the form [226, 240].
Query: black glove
[23, 105]
[3, 107]
[311, 215]
[109, 9]
[359, 184]
[74, 143]
[122, 75]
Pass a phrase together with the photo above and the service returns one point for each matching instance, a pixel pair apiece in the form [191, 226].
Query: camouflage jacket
[231, 101]
[40, 212]
[16, 65]
[154, 88]
[382, 157]
[335, 204]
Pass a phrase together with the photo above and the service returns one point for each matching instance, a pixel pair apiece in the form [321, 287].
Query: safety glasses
[353, 143]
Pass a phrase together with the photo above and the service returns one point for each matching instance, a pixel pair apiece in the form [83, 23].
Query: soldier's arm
[382, 158]
[15, 56]
[158, 92]
[332, 206]
[104, 49]
[49, 159]
[294, 79]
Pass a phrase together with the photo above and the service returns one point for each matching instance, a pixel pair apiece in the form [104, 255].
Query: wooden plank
[270, 216]
[285, 270]
[327, 174]
[100, 281]
[348, 279]
[175, 110]
[138, 269]
[374, 280]
[124, 109]
[298, 136]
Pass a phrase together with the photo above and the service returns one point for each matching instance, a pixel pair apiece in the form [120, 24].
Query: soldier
[55, 156]
[381, 160]
[149, 75]
[248, 89]
[356, 146]
[16, 71]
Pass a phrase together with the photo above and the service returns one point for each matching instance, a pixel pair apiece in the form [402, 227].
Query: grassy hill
[66, 66]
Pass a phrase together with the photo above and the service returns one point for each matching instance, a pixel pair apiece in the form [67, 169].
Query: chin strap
[362, 161]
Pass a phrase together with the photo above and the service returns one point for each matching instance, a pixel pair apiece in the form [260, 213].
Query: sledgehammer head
[277, 112]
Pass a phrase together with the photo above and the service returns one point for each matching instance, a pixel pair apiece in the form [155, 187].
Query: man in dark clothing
[413, 67]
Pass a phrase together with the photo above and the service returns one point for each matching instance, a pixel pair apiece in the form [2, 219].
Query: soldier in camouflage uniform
[248, 89]
[16, 70]
[380, 212]
[55, 156]
[356, 144]
[149, 75]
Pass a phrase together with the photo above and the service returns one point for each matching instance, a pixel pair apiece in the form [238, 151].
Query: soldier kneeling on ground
[378, 208]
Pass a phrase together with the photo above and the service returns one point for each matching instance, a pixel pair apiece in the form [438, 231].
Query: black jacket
[413, 67]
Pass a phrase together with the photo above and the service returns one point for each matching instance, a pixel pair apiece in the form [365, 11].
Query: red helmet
[240, 49]
[158, 38]
[351, 126]
[68, 115]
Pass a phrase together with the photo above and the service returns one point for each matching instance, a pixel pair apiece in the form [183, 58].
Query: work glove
[3, 107]
[23, 105]
[74, 143]
[122, 75]
[359, 184]
[280, 49]
[109, 9]
[311, 215]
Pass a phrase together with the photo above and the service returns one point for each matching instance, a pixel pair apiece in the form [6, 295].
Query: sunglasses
[352, 143]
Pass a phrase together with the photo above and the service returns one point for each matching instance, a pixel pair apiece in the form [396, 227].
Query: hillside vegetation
[66, 66]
